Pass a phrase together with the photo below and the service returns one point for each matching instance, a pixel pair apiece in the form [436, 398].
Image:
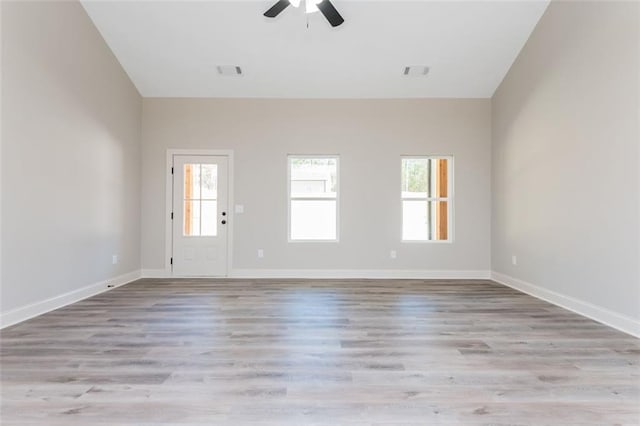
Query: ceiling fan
[324, 6]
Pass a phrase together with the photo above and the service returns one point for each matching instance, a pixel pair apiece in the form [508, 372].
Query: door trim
[168, 236]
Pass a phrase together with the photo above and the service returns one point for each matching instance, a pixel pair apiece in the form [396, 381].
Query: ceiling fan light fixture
[323, 6]
[311, 6]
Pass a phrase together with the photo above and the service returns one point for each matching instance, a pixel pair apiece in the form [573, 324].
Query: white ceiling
[172, 48]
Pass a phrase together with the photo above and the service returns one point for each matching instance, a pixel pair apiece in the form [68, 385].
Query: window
[200, 200]
[426, 198]
[313, 198]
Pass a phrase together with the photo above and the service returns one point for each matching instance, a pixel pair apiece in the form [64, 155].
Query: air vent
[229, 70]
[416, 71]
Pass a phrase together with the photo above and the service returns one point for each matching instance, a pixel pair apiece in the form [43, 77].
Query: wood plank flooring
[325, 352]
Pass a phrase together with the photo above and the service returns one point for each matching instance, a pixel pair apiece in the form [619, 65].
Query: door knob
[224, 222]
[224, 213]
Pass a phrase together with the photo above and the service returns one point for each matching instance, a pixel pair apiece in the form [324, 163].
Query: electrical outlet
[393, 254]
[114, 259]
[514, 260]
[260, 253]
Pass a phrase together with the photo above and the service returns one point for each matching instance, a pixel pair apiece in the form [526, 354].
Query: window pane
[441, 223]
[415, 220]
[425, 220]
[191, 181]
[209, 218]
[415, 177]
[425, 177]
[313, 177]
[440, 180]
[313, 220]
[191, 216]
[209, 179]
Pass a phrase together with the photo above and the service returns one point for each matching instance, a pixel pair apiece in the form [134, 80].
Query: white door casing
[200, 215]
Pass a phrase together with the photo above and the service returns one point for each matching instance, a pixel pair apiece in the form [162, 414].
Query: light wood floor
[300, 352]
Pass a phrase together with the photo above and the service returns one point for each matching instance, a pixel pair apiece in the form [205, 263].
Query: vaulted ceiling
[173, 48]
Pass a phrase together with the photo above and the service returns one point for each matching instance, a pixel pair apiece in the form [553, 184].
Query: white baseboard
[155, 273]
[602, 315]
[341, 274]
[358, 273]
[33, 310]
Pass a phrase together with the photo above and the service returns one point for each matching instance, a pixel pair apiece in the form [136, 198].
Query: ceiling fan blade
[330, 13]
[277, 8]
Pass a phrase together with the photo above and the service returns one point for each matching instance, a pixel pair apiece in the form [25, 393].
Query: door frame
[168, 239]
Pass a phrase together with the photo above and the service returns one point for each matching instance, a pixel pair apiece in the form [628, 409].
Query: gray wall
[71, 155]
[565, 157]
[369, 135]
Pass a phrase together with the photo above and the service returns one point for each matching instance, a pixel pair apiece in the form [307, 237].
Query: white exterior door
[200, 215]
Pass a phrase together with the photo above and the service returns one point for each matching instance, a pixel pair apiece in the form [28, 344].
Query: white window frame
[449, 199]
[290, 198]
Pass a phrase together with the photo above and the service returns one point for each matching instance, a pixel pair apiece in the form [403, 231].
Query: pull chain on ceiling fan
[324, 6]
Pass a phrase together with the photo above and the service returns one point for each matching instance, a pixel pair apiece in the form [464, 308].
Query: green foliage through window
[415, 174]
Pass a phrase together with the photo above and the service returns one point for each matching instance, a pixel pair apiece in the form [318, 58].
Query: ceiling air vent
[229, 70]
[416, 71]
